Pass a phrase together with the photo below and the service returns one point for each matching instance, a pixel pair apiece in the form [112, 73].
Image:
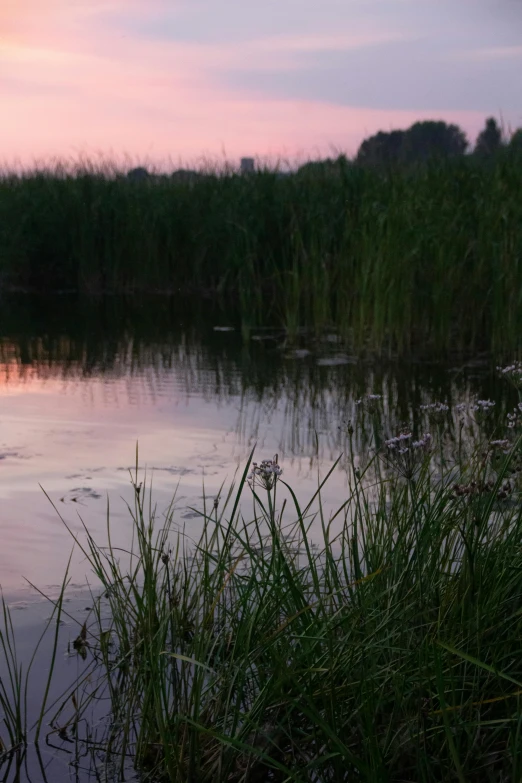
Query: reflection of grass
[111, 340]
[15, 684]
[388, 651]
[422, 258]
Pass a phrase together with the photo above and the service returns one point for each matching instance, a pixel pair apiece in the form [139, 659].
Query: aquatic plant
[380, 641]
[397, 259]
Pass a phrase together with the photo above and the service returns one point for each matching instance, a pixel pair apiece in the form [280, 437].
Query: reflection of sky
[161, 79]
[72, 410]
[77, 440]
[196, 418]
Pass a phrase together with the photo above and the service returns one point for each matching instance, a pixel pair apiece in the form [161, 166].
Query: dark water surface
[82, 382]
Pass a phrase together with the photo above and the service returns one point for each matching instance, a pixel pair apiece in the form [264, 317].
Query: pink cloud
[74, 85]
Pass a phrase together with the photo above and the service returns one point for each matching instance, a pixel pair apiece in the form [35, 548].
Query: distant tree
[433, 139]
[138, 174]
[515, 142]
[489, 140]
[382, 148]
[422, 141]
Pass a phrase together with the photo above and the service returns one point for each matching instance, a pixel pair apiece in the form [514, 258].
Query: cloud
[383, 54]
[160, 77]
[488, 54]
[392, 75]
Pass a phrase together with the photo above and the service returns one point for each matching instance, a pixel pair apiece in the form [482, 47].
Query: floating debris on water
[336, 361]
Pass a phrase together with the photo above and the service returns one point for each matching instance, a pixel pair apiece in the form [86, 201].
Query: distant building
[247, 165]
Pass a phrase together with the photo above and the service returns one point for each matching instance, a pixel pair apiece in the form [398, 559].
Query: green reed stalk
[384, 650]
[403, 259]
[377, 641]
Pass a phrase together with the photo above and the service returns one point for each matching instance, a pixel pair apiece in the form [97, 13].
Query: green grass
[15, 682]
[423, 258]
[379, 642]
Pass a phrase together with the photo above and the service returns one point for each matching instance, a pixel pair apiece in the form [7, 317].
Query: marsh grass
[379, 643]
[15, 682]
[395, 259]
[275, 639]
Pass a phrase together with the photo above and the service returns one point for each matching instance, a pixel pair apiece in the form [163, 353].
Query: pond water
[82, 383]
[81, 386]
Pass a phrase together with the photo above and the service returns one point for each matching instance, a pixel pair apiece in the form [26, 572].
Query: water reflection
[82, 382]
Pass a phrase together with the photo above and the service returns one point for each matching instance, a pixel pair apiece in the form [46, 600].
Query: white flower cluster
[435, 407]
[514, 418]
[482, 407]
[504, 445]
[424, 443]
[407, 455]
[512, 372]
[266, 473]
[399, 443]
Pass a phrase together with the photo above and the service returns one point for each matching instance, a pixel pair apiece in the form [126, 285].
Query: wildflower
[513, 373]
[482, 408]
[436, 407]
[480, 488]
[394, 443]
[266, 473]
[504, 445]
[424, 443]
[407, 455]
[436, 411]
[482, 405]
[514, 417]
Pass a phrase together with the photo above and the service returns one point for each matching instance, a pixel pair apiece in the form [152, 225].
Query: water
[81, 386]
[82, 383]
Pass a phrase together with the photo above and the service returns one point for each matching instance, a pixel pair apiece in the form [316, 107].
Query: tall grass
[15, 681]
[395, 259]
[377, 642]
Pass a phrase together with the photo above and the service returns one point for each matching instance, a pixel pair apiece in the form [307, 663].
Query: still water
[82, 384]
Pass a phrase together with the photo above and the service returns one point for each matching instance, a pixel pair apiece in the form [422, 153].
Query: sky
[186, 82]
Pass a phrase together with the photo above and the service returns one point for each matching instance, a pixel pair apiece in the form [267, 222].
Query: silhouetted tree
[434, 139]
[422, 141]
[382, 148]
[138, 174]
[489, 140]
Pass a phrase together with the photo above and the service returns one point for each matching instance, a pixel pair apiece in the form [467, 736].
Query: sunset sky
[191, 79]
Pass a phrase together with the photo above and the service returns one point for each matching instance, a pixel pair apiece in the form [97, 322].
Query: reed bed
[378, 642]
[395, 259]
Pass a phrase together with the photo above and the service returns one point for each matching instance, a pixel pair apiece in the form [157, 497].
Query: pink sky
[156, 80]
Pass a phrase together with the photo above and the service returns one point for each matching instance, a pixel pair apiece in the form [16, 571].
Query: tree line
[432, 138]
[424, 141]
